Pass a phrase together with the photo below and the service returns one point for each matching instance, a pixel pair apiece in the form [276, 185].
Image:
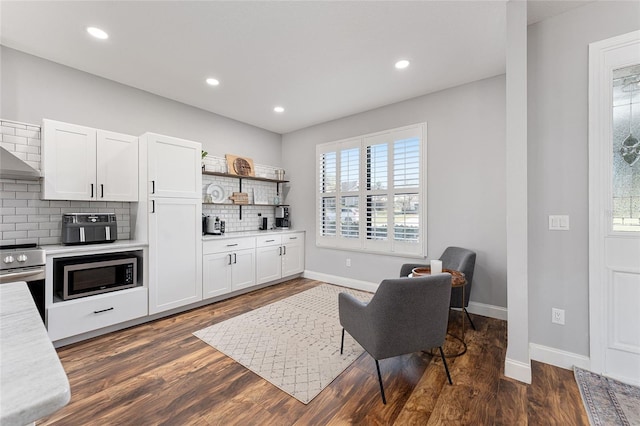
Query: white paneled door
[175, 253]
[614, 207]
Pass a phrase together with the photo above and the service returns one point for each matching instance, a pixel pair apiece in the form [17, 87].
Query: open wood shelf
[240, 179]
[250, 204]
[229, 175]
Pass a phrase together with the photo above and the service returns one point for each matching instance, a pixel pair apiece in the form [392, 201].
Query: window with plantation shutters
[372, 192]
[327, 187]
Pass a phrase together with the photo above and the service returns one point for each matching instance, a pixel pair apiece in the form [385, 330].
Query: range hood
[11, 167]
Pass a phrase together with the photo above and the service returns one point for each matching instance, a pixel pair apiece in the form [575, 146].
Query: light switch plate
[558, 222]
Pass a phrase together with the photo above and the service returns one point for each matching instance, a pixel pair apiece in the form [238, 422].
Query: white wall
[466, 182]
[34, 88]
[558, 166]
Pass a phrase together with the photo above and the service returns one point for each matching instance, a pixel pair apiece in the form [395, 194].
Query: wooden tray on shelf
[240, 198]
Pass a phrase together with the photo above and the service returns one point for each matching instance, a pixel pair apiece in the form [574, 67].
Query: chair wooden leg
[469, 316]
[342, 342]
[446, 368]
[384, 400]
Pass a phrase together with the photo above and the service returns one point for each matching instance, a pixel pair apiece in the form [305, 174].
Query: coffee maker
[282, 217]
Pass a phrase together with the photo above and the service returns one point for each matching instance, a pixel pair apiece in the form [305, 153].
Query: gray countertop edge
[33, 382]
[255, 233]
[94, 248]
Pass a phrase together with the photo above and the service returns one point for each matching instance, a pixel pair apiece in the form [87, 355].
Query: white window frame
[362, 244]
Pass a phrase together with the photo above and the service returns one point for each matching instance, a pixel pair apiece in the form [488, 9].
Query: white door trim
[600, 128]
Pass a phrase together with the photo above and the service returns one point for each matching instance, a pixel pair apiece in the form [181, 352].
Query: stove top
[21, 256]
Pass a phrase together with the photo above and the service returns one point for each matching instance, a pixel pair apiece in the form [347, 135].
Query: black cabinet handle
[91, 190]
[235, 258]
[229, 258]
[102, 190]
[103, 310]
[280, 251]
[269, 241]
[232, 245]
[153, 186]
[284, 252]
[153, 206]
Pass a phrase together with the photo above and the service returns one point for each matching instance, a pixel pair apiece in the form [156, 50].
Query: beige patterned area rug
[608, 402]
[293, 343]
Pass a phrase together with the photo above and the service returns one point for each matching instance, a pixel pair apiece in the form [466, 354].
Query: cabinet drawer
[268, 240]
[289, 238]
[74, 317]
[231, 244]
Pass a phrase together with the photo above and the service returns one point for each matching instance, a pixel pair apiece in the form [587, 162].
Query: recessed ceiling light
[97, 33]
[402, 64]
[212, 82]
[278, 109]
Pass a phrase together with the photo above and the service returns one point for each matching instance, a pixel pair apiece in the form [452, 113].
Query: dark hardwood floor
[159, 373]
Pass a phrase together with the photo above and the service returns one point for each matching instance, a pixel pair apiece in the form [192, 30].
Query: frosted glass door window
[626, 150]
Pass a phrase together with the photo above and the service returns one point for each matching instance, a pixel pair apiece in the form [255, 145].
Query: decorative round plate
[217, 193]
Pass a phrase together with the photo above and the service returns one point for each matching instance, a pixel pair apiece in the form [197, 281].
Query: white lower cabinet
[216, 275]
[175, 253]
[292, 254]
[229, 265]
[69, 318]
[268, 258]
[279, 256]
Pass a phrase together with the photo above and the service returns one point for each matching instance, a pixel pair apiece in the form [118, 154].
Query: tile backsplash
[251, 215]
[230, 212]
[25, 217]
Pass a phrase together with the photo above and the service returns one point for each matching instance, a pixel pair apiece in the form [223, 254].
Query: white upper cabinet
[82, 163]
[174, 167]
[117, 169]
[68, 161]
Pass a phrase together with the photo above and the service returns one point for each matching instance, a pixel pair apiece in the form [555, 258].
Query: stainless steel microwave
[81, 276]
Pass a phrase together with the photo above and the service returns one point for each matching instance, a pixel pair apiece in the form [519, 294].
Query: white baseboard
[558, 357]
[491, 311]
[517, 370]
[343, 281]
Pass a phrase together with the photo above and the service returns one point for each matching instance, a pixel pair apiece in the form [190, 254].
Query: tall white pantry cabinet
[169, 217]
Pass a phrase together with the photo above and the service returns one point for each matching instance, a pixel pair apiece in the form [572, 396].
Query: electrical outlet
[557, 316]
[348, 263]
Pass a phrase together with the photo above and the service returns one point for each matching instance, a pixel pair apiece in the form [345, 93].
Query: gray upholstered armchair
[405, 315]
[458, 259]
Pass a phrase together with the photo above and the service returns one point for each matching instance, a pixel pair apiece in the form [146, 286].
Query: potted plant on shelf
[204, 154]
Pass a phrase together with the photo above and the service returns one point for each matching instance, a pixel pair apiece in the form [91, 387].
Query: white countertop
[94, 248]
[255, 233]
[33, 383]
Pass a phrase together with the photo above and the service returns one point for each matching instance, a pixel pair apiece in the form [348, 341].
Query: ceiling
[319, 60]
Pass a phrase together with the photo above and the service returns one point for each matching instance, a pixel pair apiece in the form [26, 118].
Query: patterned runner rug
[293, 343]
[607, 401]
